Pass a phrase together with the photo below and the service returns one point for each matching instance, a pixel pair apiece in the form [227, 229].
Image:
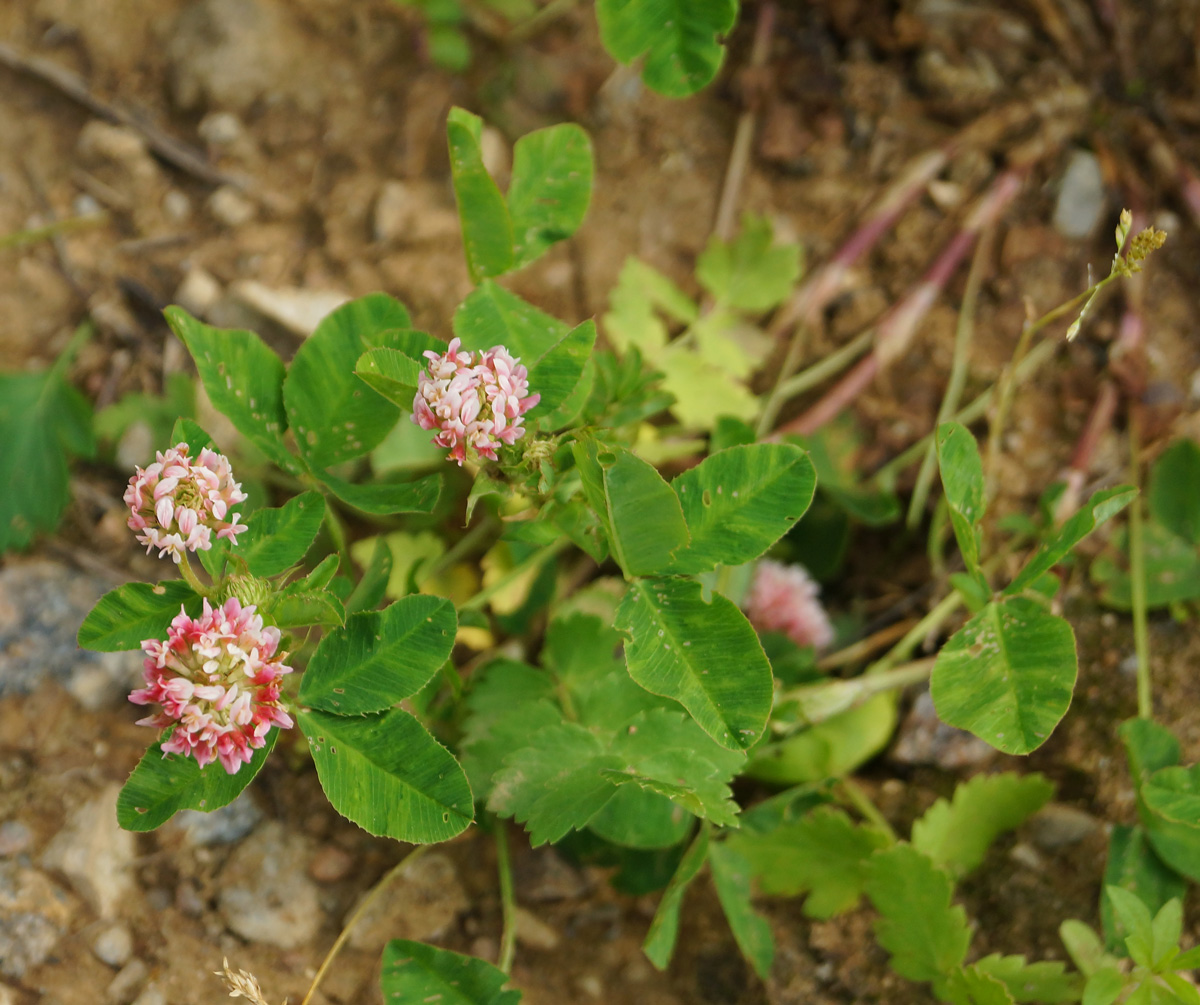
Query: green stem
[820, 702]
[516, 572]
[21, 238]
[508, 899]
[916, 635]
[464, 546]
[1137, 573]
[359, 911]
[963, 336]
[338, 532]
[189, 576]
[835, 362]
[852, 794]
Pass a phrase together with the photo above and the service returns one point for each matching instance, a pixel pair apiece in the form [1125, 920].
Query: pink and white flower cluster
[217, 680]
[784, 598]
[177, 503]
[477, 404]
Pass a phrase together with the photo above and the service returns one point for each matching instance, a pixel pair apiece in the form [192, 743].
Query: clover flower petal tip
[475, 401]
[179, 503]
[785, 598]
[216, 679]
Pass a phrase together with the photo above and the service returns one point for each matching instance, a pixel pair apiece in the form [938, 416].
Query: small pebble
[533, 932]
[330, 864]
[126, 984]
[220, 128]
[590, 985]
[228, 206]
[1055, 825]
[114, 945]
[1081, 197]
[151, 996]
[177, 206]
[1025, 855]
[15, 838]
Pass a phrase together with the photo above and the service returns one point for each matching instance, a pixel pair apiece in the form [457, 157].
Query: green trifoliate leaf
[244, 380]
[492, 315]
[705, 656]
[550, 189]
[296, 607]
[1032, 982]
[487, 229]
[962, 478]
[664, 929]
[276, 539]
[555, 375]
[387, 774]
[379, 659]
[740, 501]
[386, 498]
[641, 818]
[1172, 569]
[751, 273]
[1169, 806]
[1133, 865]
[125, 617]
[642, 517]
[391, 373]
[1175, 490]
[1007, 675]
[333, 414]
[162, 786]
[731, 877]
[415, 972]
[926, 936]
[1100, 508]
[1105, 986]
[370, 590]
[956, 835]
[43, 422]
[679, 39]
[823, 854]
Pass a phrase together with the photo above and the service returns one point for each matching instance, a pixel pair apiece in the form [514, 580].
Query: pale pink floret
[178, 504]
[476, 404]
[784, 598]
[216, 678]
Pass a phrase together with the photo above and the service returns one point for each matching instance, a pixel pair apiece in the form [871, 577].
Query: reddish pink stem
[895, 332]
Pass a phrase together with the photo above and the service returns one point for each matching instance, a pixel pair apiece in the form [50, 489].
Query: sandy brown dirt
[312, 108]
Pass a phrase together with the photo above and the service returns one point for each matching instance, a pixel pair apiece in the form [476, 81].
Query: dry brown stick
[894, 333]
[166, 146]
[739, 156]
[54, 233]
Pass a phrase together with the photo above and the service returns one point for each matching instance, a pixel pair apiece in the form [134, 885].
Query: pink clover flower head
[216, 679]
[785, 598]
[178, 503]
[475, 401]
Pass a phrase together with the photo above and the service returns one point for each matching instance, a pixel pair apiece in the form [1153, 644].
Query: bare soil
[310, 108]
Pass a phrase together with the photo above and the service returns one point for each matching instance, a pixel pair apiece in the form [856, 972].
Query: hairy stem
[190, 577]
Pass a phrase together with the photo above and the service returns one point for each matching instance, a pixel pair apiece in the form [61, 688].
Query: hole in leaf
[706, 498]
[140, 809]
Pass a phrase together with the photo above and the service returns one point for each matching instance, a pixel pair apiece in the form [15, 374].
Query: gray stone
[42, 605]
[34, 914]
[1056, 825]
[924, 739]
[228, 53]
[222, 826]
[95, 854]
[113, 945]
[265, 894]
[15, 838]
[1081, 197]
